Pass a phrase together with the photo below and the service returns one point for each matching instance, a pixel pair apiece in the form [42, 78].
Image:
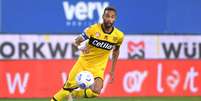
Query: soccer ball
[84, 79]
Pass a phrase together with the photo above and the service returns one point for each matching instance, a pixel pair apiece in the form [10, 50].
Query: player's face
[109, 18]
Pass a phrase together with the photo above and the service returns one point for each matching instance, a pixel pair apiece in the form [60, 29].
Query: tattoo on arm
[78, 40]
[115, 52]
[115, 55]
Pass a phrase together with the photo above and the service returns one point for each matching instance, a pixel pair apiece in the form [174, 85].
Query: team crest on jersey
[106, 37]
[115, 38]
[100, 43]
[97, 34]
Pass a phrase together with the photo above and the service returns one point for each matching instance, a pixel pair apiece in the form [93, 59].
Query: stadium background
[160, 56]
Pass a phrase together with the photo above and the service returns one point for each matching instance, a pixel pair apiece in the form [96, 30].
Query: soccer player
[96, 43]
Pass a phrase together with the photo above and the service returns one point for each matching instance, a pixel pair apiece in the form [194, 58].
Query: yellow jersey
[99, 47]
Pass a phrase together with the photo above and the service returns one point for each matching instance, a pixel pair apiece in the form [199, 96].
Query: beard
[108, 25]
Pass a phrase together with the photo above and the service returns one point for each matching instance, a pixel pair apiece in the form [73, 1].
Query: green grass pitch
[198, 98]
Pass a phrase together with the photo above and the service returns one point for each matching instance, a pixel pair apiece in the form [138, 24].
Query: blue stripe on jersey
[84, 36]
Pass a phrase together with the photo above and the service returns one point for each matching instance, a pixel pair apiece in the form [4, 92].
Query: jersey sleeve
[120, 40]
[87, 33]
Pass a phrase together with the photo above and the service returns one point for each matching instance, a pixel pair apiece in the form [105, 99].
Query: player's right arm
[81, 41]
[78, 40]
[82, 37]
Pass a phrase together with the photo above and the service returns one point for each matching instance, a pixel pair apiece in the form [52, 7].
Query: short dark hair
[110, 9]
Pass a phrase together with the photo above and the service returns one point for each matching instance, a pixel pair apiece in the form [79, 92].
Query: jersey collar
[104, 30]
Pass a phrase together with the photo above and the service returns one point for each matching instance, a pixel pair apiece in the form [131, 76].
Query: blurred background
[160, 55]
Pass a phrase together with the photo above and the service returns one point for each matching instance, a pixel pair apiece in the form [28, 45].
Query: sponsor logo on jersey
[101, 44]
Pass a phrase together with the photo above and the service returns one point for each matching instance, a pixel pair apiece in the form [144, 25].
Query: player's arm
[115, 55]
[81, 41]
[78, 40]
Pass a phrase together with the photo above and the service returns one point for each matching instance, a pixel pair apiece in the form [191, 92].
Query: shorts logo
[100, 43]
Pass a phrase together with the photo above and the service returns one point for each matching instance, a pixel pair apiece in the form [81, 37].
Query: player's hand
[83, 45]
[85, 50]
[112, 77]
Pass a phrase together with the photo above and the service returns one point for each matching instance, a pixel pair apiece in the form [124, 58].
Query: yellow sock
[78, 93]
[62, 94]
[88, 93]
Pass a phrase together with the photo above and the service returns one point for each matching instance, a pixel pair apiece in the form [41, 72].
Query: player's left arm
[115, 55]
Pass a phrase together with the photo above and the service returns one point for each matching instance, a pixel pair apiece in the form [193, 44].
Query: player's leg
[69, 85]
[70, 98]
[60, 95]
[93, 91]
